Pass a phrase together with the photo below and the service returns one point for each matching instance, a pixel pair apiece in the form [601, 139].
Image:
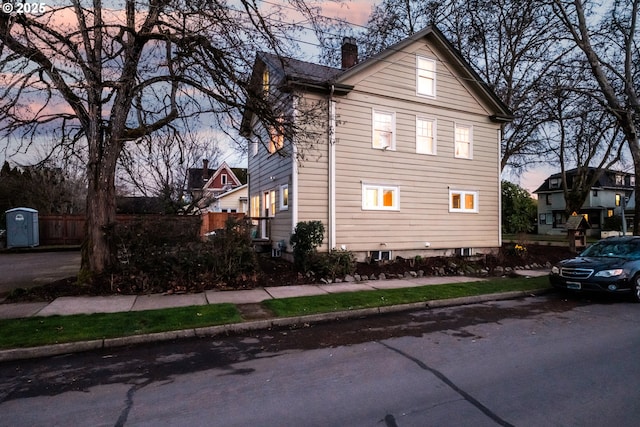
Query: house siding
[267, 173]
[422, 223]
[424, 180]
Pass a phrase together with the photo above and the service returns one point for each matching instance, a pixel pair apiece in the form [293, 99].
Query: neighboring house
[405, 160]
[207, 187]
[235, 200]
[606, 199]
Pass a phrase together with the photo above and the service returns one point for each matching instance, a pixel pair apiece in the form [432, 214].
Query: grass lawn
[37, 331]
[299, 306]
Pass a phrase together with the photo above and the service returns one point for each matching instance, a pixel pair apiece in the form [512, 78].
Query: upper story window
[276, 138]
[426, 76]
[384, 135]
[632, 181]
[618, 199]
[463, 201]
[265, 82]
[548, 199]
[223, 178]
[619, 179]
[425, 135]
[464, 141]
[554, 183]
[254, 148]
[380, 197]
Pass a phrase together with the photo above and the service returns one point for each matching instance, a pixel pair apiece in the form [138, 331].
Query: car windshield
[630, 249]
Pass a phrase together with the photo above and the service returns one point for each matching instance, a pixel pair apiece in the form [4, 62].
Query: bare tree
[583, 138]
[108, 78]
[611, 55]
[510, 43]
[158, 165]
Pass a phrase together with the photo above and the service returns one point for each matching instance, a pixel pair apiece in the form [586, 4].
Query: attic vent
[464, 251]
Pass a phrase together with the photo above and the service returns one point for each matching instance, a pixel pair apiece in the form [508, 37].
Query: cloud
[354, 11]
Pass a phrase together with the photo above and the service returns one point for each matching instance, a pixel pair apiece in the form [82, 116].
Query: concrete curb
[243, 327]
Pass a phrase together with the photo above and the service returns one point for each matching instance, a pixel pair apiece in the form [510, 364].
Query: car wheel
[636, 288]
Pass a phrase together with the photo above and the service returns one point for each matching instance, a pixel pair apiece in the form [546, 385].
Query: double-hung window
[384, 124]
[464, 141]
[426, 77]
[380, 197]
[425, 135]
[463, 201]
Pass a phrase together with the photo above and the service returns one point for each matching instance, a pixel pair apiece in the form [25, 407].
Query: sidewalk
[65, 306]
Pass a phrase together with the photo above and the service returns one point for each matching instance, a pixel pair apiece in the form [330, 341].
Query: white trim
[281, 189]
[433, 89]
[434, 144]
[455, 140]
[380, 195]
[500, 189]
[463, 193]
[332, 174]
[392, 143]
[293, 192]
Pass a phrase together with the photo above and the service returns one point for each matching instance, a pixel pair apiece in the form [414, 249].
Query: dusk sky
[355, 12]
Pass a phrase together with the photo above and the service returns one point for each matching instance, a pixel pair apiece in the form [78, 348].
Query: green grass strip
[36, 331]
[299, 306]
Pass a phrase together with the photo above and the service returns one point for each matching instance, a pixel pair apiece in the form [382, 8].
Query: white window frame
[425, 75]
[379, 203]
[223, 178]
[254, 149]
[284, 190]
[463, 194]
[377, 127]
[457, 141]
[420, 147]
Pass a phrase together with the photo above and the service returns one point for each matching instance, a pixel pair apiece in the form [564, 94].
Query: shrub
[306, 237]
[335, 263]
[160, 254]
[235, 260]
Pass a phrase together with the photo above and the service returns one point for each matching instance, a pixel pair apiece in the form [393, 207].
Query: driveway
[29, 269]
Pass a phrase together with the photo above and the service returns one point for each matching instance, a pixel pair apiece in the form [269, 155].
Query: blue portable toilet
[22, 228]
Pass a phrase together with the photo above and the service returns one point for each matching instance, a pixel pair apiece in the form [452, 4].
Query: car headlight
[555, 270]
[610, 273]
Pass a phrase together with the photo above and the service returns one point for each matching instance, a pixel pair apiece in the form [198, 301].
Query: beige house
[402, 157]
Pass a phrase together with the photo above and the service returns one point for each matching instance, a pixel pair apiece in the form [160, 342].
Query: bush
[235, 260]
[336, 263]
[167, 254]
[306, 237]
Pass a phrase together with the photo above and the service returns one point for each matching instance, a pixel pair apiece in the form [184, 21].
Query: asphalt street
[29, 269]
[549, 360]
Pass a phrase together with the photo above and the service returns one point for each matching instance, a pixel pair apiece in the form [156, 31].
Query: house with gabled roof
[610, 194]
[218, 190]
[402, 159]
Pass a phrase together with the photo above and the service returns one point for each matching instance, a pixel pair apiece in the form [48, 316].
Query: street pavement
[64, 306]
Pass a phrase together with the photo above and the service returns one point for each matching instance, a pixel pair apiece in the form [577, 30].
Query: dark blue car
[611, 266]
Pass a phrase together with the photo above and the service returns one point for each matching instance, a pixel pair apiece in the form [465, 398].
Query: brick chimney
[349, 52]
[205, 170]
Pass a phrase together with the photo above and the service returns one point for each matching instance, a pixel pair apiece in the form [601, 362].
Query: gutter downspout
[499, 188]
[332, 170]
[294, 175]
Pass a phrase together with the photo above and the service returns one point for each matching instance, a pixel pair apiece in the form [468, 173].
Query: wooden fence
[69, 229]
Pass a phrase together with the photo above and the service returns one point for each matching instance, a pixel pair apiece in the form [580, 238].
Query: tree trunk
[98, 252]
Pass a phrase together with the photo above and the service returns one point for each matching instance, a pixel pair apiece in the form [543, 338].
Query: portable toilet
[22, 228]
